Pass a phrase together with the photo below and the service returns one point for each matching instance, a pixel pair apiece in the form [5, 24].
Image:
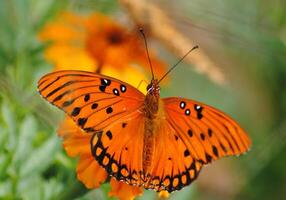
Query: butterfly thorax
[151, 110]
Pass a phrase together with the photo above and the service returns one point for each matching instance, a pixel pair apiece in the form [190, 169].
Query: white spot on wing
[187, 112]
[123, 88]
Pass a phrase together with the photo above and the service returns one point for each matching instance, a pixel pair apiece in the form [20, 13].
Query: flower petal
[164, 194]
[76, 142]
[129, 74]
[86, 42]
[66, 56]
[66, 28]
[124, 191]
[89, 172]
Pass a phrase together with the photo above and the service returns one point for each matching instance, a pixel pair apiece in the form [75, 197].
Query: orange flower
[163, 195]
[96, 43]
[123, 191]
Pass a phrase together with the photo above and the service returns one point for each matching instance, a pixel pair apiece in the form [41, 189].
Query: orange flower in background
[98, 44]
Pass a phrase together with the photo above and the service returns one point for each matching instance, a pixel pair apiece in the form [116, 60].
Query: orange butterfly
[160, 144]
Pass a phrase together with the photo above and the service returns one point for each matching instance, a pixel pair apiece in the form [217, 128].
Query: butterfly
[144, 140]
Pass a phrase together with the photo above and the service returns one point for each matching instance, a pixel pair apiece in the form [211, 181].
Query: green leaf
[3, 138]
[30, 187]
[94, 194]
[34, 187]
[27, 132]
[148, 195]
[41, 157]
[9, 120]
[5, 189]
[5, 161]
[52, 188]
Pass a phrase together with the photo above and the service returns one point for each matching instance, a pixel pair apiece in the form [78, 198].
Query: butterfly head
[153, 88]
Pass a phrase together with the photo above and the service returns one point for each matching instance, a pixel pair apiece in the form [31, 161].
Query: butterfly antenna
[195, 47]
[145, 41]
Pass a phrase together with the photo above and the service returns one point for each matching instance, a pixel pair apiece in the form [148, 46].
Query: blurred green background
[246, 38]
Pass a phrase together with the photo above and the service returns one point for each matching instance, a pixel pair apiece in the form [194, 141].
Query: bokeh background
[240, 69]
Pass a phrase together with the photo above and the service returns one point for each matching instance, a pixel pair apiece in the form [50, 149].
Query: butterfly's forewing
[93, 101]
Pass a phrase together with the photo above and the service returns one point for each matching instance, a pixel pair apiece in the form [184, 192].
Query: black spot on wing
[81, 121]
[67, 103]
[176, 137]
[199, 110]
[86, 97]
[190, 133]
[187, 112]
[105, 82]
[208, 158]
[109, 110]
[215, 151]
[186, 153]
[102, 88]
[115, 92]
[75, 111]
[210, 132]
[109, 135]
[94, 106]
[122, 88]
[182, 105]
[202, 135]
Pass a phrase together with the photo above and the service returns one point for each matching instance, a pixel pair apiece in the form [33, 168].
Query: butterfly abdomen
[150, 111]
[153, 114]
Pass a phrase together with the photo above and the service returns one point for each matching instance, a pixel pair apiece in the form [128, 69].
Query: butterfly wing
[118, 149]
[93, 101]
[173, 165]
[213, 133]
[109, 109]
[192, 135]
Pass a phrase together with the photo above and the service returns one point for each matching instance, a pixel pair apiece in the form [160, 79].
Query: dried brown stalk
[150, 15]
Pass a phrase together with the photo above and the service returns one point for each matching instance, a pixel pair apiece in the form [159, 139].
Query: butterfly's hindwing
[118, 149]
[174, 165]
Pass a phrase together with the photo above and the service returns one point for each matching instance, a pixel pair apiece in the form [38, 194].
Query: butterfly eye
[149, 87]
